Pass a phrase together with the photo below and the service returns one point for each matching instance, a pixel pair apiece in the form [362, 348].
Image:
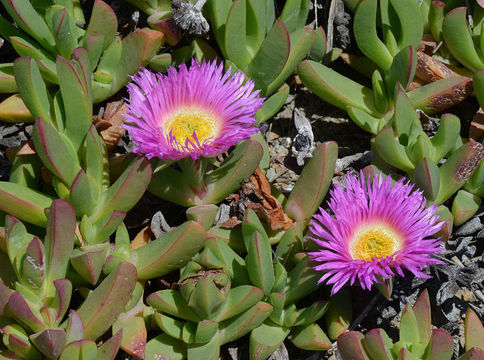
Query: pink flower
[377, 230]
[196, 112]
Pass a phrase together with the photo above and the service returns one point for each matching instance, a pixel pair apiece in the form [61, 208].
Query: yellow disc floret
[186, 121]
[374, 242]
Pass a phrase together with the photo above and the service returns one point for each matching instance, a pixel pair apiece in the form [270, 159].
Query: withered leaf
[430, 69]
[255, 194]
[110, 125]
[476, 129]
[142, 238]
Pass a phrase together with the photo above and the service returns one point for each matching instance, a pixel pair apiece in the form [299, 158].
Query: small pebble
[470, 227]
[462, 243]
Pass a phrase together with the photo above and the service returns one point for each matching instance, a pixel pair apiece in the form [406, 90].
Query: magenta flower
[196, 112]
[377, 230]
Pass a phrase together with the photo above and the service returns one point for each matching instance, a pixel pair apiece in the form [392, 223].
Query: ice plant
[377, 230]
[191, 112]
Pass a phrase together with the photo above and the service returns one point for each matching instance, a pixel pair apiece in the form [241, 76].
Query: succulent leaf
[13, 110]
[402, 70]
[32, 88]
[377, 344]
[209, 350]
[240, 325]
[458, 168]
[265, 339]
[421, 309]
[335, 88]
[366, 36]
[62, 26]
[241, 163]
[427, 177]
[350, 346]
[109, 349]
[441, 346]
[172, 302]
[338, 316]
[109, 299]
[171, 251]
[171, 348]
[75, 86]
[56, 151]
[464, 206]
[50, 342]
[300, 45]
[473, 331]
[22, 311]
[409, 328]
[103, 22]
[29, 20]
[441, 94]
[310, 337]
[392, 151]
[316, 176]
[458, 39]
[89, 260]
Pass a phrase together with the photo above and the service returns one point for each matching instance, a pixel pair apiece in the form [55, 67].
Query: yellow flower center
[183, 123]
[374, 241]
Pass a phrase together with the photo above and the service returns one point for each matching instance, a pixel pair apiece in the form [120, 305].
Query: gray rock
[223, 214]
[470, 227]
[463, 242]
[10, 141]
[453, 313]
[159, 226]
[447, 290]
[6, 130]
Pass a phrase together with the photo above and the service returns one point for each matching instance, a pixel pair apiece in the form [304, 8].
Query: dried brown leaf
[476, 129]
[110, 125]
[141, 239]
[430, 69]
[255, 194]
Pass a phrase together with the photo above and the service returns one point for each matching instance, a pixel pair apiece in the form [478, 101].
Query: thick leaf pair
[466, 44]
[417, 338]
[51, 29]
[38, 273]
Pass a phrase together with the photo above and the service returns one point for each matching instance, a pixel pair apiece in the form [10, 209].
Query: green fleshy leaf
[336, 88]
[268, 63]
[366, 36]
[24, 203]
[107, 300]
[169, 252]
[313, 183]
[32, 88]
[265, 339]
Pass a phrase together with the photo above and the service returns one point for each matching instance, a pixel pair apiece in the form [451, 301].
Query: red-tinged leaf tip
[21, 311]
[50, 342]
[61, 21]
[64, 292]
